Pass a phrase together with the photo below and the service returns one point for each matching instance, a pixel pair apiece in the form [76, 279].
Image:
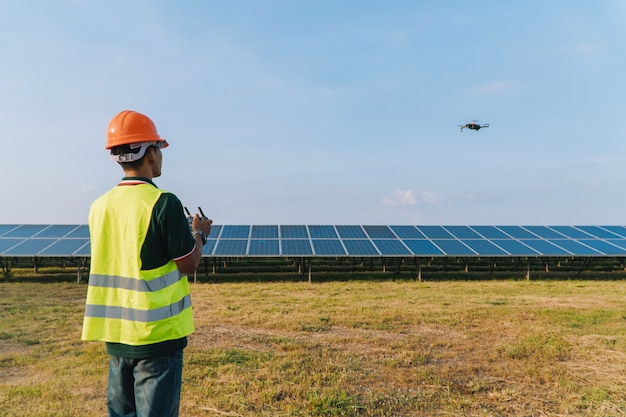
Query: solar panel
[463, 232]
[618, 230]
[571, 232]
[515, 247]
[59, 230]
[574, 247]
[348, 240]
[63, 247]
[293, 232]
[453, 247]
[231, 247]
[6, 227]
[391, 247]
[603, 247]
[490, 232]
[435, 232]
[328, 247]
[209, 247]
[351, 232]
[265, 247]
[293, 247]
[517, 232]
[407, 232]
[235, 232]
[422, 247]
[80, 231]
[264, 232]
[30, 246]
[379, 232]
[598, 232]
[484, 247]
[8, 243]
[25, 230]
[545, 248]
[84, 250]
[359, 247]
[322, 232]
[544, 232]
[215, 231]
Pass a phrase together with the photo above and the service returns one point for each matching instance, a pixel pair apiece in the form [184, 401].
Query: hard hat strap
[133, 156]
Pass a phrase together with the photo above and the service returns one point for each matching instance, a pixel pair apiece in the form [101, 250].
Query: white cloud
[404, 198]
[433, 198]
[401, 198]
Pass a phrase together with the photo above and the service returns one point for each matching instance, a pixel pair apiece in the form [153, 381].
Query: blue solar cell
[453, 247]
[58, 231]
[85, 250]
[296, 247]
[293, 232]
[351, 232]
[379, 232]
[29, 247]
[8, 243]
[215, 231]
[515, 247]
[359, 247]
[328, 247]
[571, 232]
[544, 232]
[6, 228]
[80, 231]
[621, 243]
[266, 247]
[407, 232]
[264, 232]
[462, 232]
[322, 232]
[603, 247]
[435, 232]
[484, 247]
[574, 247]
[210, 245]
[598, 232]
[618, 230]
[231, 247]
[25, 230]
[544, 247]
[391, 247]
[63, 247]
[235, 232]
[422, 247]
[490, 232]
[517, 232]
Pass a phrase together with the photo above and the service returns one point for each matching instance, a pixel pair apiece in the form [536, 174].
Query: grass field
[344, 348]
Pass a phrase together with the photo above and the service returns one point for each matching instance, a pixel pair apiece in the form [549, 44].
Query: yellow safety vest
[124, 303]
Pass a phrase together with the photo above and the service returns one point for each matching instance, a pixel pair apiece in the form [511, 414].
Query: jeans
[145, 387]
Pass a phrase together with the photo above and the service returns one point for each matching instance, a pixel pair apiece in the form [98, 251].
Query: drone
[473, 125]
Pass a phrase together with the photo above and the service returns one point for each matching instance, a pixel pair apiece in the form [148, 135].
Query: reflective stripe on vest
[126, 304]
[145, 316]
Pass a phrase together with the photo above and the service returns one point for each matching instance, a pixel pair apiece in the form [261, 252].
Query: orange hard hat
[129, 127]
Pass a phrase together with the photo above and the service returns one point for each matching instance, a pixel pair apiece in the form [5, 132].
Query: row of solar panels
[348, 240]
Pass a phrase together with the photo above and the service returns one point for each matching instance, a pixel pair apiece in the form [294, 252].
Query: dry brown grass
[359, 348]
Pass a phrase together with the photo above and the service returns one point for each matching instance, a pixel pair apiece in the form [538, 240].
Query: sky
[322, 112]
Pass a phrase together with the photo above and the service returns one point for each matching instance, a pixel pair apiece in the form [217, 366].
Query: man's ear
[150, 154]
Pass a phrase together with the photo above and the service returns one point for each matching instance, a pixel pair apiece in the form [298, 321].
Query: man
[138, 298]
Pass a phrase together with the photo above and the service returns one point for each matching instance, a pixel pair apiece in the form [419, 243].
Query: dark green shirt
[168, 238]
